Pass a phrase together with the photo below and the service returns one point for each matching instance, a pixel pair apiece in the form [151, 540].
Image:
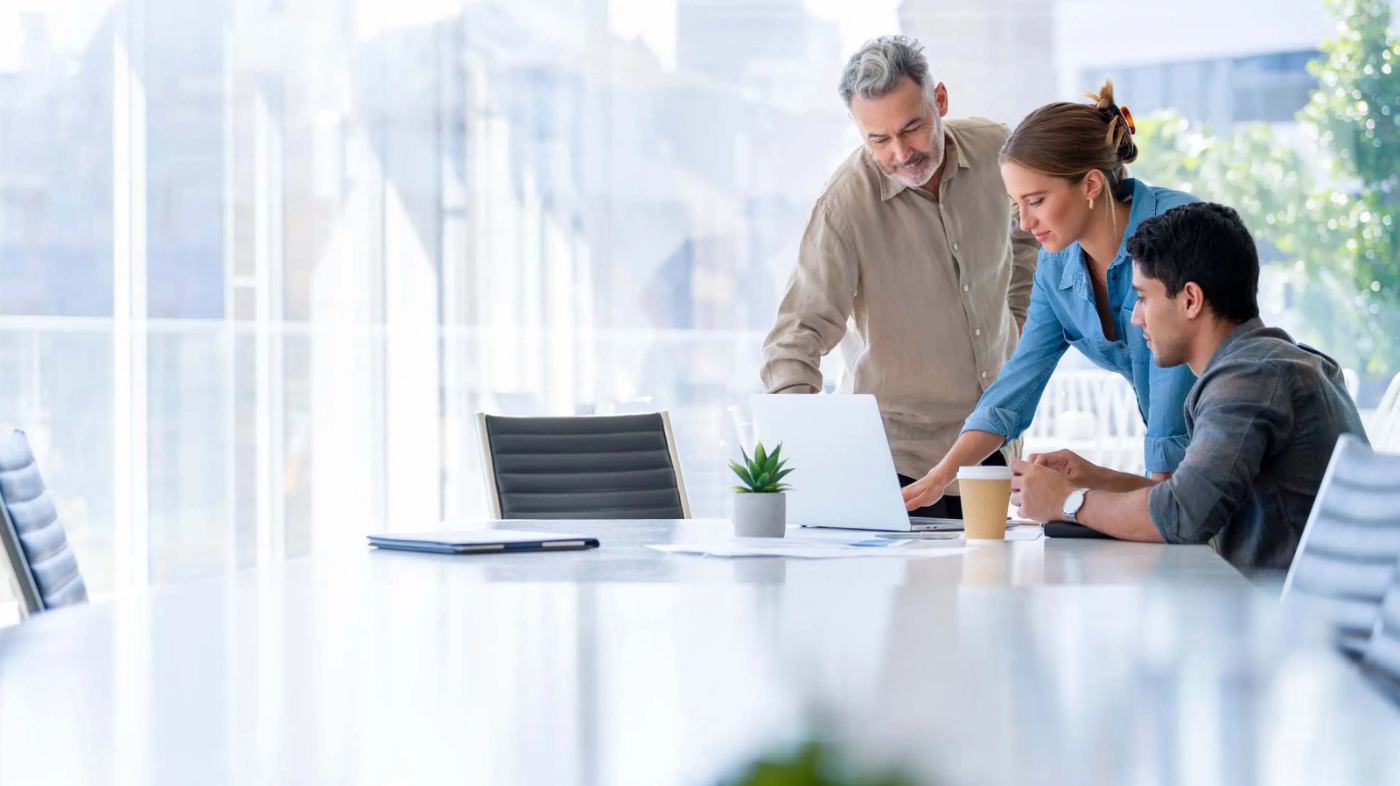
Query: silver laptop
[843, 474]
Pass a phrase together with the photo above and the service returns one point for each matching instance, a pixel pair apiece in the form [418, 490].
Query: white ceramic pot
[760, 515]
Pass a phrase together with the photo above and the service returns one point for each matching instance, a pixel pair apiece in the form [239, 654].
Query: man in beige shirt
[914, 235]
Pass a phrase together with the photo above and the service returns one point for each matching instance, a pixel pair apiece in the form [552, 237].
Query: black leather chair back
[587, 467]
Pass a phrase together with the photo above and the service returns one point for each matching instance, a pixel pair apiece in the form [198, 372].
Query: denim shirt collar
[1144, 204]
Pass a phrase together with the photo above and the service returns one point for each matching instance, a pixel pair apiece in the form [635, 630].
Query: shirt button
[955, 246]
[984, 375]
[967, 288]
[977, 332]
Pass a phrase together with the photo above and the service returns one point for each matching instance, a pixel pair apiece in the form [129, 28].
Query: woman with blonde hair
[1065, 166]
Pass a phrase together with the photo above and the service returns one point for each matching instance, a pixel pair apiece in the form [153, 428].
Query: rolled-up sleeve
[1240, 415]
[812, 316]
[1008, 406]
[1165, 445]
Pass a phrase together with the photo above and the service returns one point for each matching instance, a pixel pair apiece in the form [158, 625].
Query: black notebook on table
[1066, 529]
[483, 541]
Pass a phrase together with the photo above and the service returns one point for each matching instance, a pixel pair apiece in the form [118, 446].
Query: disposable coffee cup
[986, 494]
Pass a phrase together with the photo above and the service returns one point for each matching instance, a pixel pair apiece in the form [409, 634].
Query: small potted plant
[817, 762]
[760, 507]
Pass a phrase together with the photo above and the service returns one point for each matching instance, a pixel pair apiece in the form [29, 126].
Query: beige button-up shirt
[938, 287]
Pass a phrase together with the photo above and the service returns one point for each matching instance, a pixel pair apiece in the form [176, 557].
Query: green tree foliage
[1356, 114]
[1323, 199]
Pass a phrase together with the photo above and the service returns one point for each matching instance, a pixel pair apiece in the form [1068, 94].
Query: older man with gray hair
[915, 236]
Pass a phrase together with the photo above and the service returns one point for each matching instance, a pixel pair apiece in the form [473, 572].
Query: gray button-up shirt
[1262, 420]
[937, 286]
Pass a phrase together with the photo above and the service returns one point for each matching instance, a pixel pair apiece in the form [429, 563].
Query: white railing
[1095, 414]
[1383, 424]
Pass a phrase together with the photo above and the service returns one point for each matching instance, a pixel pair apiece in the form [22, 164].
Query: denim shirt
[1062, 314]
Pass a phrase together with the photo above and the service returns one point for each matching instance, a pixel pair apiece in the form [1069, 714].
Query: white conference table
[1047, 661]
[624, 557]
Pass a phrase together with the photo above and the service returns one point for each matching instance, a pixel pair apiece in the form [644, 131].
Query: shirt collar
[889, 187]
[1246, 327]
[1144, 205]
[1074, 267]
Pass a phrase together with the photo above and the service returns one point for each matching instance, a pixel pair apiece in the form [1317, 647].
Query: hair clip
[1128, 118]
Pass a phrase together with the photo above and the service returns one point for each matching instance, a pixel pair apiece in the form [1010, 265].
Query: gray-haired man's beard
[917, 176]
[924, 164]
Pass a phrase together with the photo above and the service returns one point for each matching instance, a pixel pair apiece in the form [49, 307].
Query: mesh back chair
[44, 569]
[1382, 656]
[1348, 551]
[599, 467]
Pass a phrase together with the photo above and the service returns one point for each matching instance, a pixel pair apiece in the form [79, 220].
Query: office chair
[1382, 655]
[1348, 551]
[43, 567]
[584, 467]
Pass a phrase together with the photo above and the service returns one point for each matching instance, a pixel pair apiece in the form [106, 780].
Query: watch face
[1073, 503]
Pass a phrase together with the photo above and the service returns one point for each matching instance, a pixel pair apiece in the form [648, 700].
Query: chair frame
[488, 465]
[30, 599]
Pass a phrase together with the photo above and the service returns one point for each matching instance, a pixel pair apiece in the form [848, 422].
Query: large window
[261, 261]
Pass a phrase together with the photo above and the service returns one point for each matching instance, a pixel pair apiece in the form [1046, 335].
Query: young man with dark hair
[1262, 418]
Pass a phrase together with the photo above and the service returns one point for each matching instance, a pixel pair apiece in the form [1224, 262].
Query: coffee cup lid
[984, 473]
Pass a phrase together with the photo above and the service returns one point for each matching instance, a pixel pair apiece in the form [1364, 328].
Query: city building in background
[996, 57]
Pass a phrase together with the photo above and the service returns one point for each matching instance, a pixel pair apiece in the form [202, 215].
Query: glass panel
[58, 389]
[261, 261]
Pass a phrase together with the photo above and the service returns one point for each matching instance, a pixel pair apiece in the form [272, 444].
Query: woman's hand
[926, 490]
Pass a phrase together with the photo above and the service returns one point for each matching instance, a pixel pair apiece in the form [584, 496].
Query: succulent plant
[816, 763]
[763, 473]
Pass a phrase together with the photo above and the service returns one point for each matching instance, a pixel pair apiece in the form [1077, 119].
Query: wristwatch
[1073, 503]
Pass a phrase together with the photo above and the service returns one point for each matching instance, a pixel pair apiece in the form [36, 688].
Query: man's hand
[1085, 474]
[1038, 491]
[926, 490]
[1082, 472]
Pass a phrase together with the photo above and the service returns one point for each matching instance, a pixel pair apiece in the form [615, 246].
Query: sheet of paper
[1027, 531]
[873, 546]
[823, 535]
